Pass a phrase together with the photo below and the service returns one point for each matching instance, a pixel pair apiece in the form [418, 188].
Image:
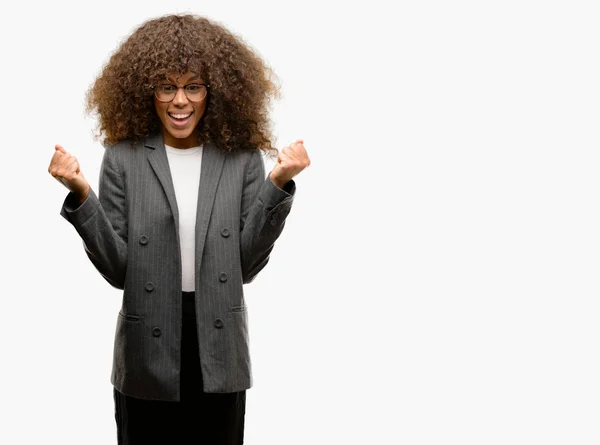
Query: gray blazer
[130, 232]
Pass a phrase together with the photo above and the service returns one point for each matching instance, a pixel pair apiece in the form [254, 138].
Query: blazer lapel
[157, 156]
[210, 173]
[212, 166]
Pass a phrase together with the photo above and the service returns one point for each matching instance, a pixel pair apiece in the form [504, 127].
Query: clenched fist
[291, 161]
[65, 168]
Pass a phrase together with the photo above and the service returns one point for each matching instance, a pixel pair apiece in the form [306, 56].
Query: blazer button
[218, 323]
[222, 277]
[143, 240]
[273, 222]
[225, 232]
[156, 332]
[149, 286]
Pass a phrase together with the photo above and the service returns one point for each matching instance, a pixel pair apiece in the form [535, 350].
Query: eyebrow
[170, 82]
[196, 77]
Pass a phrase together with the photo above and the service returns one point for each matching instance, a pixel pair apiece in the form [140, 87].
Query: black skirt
[198, 418]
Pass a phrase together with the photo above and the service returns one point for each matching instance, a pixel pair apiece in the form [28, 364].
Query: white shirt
[185, 164]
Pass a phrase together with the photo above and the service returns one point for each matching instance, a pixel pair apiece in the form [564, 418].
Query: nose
[180, 97]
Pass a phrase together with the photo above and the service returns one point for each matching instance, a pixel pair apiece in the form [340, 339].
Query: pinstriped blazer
[130, 232]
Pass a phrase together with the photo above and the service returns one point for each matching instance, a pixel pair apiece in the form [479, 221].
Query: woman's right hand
[65, 169]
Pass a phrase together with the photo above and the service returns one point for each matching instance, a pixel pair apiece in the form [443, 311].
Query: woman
[183, 218]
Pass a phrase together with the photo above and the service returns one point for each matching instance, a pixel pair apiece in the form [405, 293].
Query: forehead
[182, 78]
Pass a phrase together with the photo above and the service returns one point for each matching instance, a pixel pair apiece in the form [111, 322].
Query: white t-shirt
[185, 164]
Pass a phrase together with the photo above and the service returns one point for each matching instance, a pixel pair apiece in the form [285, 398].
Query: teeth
[180, 116]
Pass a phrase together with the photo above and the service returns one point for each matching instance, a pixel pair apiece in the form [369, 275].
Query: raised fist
[291, 161]
[65, 168]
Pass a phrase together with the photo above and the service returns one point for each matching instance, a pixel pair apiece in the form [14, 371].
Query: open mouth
[180, 119]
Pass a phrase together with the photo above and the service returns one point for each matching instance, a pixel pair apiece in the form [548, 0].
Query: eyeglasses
[195, 91]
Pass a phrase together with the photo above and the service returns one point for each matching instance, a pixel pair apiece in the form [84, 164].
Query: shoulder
[124, 149]
[124, 154]
[243, 157]
[124, 146]
[250, 157]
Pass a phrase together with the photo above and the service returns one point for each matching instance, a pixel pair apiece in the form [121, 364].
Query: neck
[187, 142]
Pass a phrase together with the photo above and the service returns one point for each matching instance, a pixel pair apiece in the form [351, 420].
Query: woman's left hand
[291, 161]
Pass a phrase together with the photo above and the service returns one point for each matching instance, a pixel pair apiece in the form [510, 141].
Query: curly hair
[241, 84]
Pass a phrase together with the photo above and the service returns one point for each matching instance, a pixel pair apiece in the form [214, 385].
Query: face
[179, 118]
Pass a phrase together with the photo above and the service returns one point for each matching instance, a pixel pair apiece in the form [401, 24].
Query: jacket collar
[210, 174]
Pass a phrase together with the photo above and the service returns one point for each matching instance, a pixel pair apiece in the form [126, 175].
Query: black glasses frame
[184, 92]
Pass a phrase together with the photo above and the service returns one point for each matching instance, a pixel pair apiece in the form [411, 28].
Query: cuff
[77, 213]
[272, 196]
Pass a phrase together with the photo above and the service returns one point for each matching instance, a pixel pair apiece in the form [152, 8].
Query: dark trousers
[199, 418]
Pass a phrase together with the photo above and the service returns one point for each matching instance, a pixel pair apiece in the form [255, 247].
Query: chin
[178, 134]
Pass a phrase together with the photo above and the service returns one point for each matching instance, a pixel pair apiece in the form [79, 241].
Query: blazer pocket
[130, 317]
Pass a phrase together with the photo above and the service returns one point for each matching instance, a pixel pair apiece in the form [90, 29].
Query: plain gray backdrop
[447, 230]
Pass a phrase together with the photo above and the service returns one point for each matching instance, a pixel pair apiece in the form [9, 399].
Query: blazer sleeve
[264, 210]
[101, 221]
